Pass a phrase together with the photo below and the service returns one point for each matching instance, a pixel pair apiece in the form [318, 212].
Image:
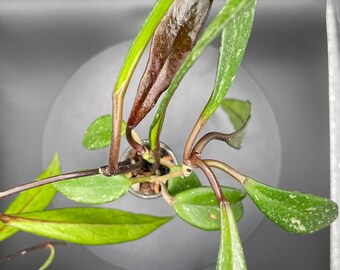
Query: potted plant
[150, 169]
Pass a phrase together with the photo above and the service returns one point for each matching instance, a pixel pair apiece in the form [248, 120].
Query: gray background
[42, 43]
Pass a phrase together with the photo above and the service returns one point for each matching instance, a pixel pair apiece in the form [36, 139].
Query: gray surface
[333, 37]
[44, 42]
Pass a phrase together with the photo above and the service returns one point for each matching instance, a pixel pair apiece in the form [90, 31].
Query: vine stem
[117, 116]
[212, 179]
[202, 143]
[166, 195]
[68, 176]
[23, 252]
[49, 180]
[137, 145]
[190, 142]
[227, 169]
[157, 179]
[166, 163]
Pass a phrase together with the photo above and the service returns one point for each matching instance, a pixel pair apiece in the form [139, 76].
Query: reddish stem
[202, 143]
[117, 117]
[190, 142]
[27, 250]
[212, 179]
[138, 147]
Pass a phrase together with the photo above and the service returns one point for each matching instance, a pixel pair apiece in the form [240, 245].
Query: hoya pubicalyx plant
[178, 34]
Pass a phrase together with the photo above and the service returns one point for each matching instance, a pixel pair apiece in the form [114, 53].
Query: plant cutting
[150, 168]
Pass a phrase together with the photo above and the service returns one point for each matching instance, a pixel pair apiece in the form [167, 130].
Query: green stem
[166, 195]
[157, 179]
[166, 163]
[155, 133]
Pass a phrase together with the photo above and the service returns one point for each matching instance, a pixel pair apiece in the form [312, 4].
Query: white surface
[334, 113]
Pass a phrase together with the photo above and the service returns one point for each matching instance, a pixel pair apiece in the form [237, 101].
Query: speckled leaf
[179, 184]
[236, 138]
[35, 199]
[94, 189]
[233, 45]
[199, 207]
[230, 255]
[87, 226]
[293, 211]
[239, 115]
[237, 110]
[98, 134]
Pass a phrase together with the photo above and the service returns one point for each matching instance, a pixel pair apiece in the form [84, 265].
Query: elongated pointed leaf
[173, 40]
[94, 189]
[236, 138]
[227, 15]
[139, 44]
[128, 68]
[198, 206]
[293, 211]
[179, 184]
[34, 199]
[98, 134]
[233, 45]
[87, 226]
[230, 255]
[237, 110]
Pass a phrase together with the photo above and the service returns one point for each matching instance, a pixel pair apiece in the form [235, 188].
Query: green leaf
[230, 255]
[50, 258]
[35, 199]
[139, 44]
[87, 226]
[179, 184]
[236, 138]
[229, 15]
[199, 207]
[237, 110]
[233, 45]
[94, 189]
[172, 41]
[293, 211]
[98, 134]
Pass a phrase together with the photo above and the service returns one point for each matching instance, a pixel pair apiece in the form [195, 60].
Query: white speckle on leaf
[295, 221]
[297, 224]
[292, 196]
[212, 216]
[311, 209]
